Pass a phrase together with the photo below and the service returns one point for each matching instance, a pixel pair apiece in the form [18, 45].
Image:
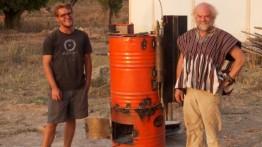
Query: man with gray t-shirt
[67, 66]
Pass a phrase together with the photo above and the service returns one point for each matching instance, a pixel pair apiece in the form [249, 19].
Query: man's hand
[225, 84]
[179, 96]
[56, 94]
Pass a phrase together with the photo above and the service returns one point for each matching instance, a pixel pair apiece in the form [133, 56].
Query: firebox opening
[123, 133]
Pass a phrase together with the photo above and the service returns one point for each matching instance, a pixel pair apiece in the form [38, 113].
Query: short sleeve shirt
[68, 52]
[203, 58]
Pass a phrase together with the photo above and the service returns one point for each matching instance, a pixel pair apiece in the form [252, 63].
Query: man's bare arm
[55, 91]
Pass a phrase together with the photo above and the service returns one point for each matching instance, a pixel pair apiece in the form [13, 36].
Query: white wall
[230, 18]
[140, 14]
[232, 14]
[256, 16]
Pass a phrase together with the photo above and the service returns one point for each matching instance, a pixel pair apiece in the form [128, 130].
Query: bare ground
[241, 113]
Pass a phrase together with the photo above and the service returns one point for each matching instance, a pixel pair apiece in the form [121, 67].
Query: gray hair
[212, 9]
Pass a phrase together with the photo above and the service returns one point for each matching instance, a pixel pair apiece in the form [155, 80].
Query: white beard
[204, 26]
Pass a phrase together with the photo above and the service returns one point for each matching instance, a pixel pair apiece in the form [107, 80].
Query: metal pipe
[159, 59]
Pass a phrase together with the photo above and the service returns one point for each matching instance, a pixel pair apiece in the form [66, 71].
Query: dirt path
[242, 124]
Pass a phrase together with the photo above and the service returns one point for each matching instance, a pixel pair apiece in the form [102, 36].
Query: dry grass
[20, 70]
[87, 13]
[21, 76]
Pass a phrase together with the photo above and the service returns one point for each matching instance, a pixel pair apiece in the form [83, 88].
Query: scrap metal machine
[142, 76]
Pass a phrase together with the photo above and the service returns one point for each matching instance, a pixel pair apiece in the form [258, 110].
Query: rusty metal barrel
[132, 71]
[136, 110]
[138, 127]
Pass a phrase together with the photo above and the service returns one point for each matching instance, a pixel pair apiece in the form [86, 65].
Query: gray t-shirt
[68, 52]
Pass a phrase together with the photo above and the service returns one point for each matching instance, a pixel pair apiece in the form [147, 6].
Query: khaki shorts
[74, 105]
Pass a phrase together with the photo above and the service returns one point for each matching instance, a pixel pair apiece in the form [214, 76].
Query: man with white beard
[202, 78]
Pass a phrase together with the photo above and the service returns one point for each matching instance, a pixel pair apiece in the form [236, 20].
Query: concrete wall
[234, 15]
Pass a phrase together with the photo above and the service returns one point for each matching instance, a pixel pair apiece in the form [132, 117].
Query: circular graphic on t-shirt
[70, 45]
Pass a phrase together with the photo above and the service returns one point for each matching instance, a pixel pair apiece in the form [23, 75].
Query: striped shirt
[204, 58]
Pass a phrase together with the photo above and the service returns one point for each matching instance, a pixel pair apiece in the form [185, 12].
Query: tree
[13, 10]
[114, 6]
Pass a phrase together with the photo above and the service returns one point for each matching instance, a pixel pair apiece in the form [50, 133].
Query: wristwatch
[229, 79]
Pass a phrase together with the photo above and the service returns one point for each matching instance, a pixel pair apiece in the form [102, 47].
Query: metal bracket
[154, 72]
[154, 44]
[154, 84]
[143, 44]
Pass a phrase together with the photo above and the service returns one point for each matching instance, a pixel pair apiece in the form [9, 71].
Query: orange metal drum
[132, 71]
[138, 127]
